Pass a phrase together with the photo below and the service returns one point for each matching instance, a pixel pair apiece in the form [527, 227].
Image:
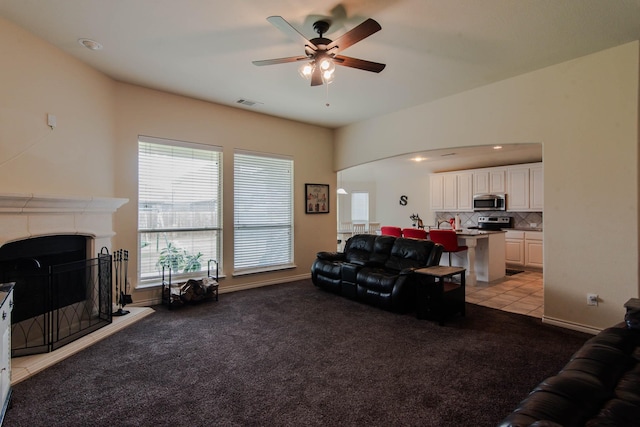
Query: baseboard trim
[261, 283]
[227, 289]
[570, 325]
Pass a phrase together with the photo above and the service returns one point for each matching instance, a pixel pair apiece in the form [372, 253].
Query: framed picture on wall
[316, 198]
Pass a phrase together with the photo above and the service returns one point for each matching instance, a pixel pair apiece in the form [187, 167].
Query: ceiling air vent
[248, 102]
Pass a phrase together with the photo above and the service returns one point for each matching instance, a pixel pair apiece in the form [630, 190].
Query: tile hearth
[27, 366]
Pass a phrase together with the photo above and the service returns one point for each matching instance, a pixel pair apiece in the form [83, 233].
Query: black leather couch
[377, 270]
[600, 386]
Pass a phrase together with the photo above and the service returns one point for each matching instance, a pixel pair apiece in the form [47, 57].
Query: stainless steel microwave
[489, 202]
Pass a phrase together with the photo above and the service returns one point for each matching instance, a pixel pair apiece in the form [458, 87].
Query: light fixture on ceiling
[90, 44]
[326, 70]
[497, 147]
[322, 53]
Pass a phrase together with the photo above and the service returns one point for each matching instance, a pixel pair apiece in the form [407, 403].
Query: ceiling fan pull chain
[327, 94]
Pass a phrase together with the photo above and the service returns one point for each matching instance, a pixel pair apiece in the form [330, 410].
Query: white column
[471, 261]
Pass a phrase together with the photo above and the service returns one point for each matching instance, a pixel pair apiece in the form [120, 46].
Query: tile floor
[521, 293]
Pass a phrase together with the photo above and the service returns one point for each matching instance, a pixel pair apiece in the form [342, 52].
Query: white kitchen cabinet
[523, 185]
[450, 192]
[533, 249]
[518, 188]
[498, 180]
[436, 187]
[514, 248]
[481, 183]
[6, 305]
[465, 191]
[524, 248]
[489, 181]
[536, 188]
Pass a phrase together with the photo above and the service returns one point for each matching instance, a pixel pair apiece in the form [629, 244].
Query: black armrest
[331, 256]
[407, 271]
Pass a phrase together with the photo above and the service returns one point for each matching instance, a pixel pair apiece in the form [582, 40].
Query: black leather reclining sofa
[599, 386]
[377, 270]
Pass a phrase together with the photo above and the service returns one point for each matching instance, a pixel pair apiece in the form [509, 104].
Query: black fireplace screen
[56, 303]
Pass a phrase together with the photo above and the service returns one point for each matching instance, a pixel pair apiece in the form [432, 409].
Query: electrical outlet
[592, 299]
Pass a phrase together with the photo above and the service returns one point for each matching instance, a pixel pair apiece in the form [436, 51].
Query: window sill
[249, 271]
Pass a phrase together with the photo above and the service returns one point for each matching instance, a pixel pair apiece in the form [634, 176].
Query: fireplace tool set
[121, 269]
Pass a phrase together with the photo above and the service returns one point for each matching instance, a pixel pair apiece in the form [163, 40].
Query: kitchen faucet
[440, 221]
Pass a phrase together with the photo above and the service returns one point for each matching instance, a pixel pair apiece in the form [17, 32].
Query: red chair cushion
[388, 230]
[448, 239]
[414, 233]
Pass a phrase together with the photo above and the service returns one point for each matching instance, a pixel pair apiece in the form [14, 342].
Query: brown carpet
[293, 355]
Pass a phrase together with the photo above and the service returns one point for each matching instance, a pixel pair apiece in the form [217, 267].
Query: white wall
[148, 112]
[93, 150]
[76, 158]
[585, 112]
[385, 192]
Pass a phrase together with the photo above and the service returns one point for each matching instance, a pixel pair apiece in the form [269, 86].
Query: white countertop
[474, 232]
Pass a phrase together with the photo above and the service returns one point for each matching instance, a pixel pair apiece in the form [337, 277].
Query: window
[359, 206]
[263, 212]
[179, 207]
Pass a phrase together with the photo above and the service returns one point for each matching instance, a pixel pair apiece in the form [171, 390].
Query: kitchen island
[485, 258]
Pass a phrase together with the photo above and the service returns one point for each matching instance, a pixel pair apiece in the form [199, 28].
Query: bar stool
[414, 233]
[448, 239]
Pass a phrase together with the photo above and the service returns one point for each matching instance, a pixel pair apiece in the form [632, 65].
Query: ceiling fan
[323, 52]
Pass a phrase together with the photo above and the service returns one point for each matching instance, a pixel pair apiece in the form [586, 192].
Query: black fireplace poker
[121, 259]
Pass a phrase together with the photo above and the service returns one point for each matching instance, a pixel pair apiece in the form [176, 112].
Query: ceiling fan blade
[316, 77]
[280, 23]
[358, 33]
[279, 60]
[361, 64]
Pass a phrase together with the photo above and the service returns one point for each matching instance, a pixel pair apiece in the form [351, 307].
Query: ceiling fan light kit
[323, 52]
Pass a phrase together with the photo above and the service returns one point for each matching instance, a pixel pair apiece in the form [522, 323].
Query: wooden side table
[438, 298]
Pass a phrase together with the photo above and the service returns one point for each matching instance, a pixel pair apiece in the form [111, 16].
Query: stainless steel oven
[489, 202]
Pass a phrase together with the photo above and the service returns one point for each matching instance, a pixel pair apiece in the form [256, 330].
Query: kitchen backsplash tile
[468, 219]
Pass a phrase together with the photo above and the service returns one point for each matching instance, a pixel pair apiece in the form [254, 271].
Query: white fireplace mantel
[24, 216]
[34, 203]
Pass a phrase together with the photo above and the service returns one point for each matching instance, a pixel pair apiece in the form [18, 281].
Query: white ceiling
[432, 48]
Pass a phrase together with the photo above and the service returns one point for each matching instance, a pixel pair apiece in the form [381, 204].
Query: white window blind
[179, 207]
[263, 212]
[360, 206]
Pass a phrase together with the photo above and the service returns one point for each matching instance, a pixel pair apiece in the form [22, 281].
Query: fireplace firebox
[59, 295]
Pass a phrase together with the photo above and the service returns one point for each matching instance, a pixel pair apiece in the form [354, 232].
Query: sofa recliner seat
[599, 386]
[377, 270]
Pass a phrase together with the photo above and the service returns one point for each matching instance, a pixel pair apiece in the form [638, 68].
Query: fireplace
[29, 263]
[56, 251]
